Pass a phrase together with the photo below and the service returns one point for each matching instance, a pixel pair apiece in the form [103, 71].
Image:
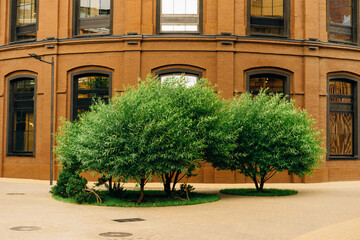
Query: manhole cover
[115, 234]
[25, 228]
[129, 220]
[15, 193]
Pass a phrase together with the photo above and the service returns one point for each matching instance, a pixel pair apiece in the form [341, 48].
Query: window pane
[23, 136]
[84, 6]
[179, 16]
[341, 134]
[22, 116]
[267, 8]
[179, 28]
[26, 12]
[341, 12]
[93, 82]
[191, 28]
[94, 8]
[256, 7]
[179, 7]
[278, 8]
[94, 17]
[273, 83]
[341, 123]
[88, 88]
[167, 6]
[190, 79]
[267, 17]
[340, 88]
[191, 7]
[165, 28]
[24, 86]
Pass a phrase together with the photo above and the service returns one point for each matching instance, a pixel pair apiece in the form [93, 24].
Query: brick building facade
[308, 49]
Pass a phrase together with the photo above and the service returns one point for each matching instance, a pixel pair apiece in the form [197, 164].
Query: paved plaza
[319, 211]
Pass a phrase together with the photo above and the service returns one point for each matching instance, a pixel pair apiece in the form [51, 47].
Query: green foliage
[270, 135]
[61, 183]
[69, 182]
[67, 146]
[151, 199]
[186, 187]
[115, 188]
[153, 129]
[96, 82]
[270, 192]
[75, 185]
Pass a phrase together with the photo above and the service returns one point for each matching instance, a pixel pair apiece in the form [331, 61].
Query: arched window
[276, 82]
[191, 76]
[87, 86]
[342, 121]
[21, 116]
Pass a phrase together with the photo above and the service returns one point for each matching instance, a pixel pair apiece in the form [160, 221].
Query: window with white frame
[179, 16]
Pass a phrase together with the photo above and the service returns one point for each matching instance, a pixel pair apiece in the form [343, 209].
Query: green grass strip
[151, 199]
[270, 192]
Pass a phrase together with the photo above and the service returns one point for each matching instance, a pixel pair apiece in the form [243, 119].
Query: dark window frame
[97, 21]
[158, 17]
[356, 144]
[15, 30]
[337, 29]
[178, 71]
[264, 20]
[74, 90]
[10, 119]
[285, 76]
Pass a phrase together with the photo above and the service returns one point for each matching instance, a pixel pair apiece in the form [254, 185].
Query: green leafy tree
[270, 135]
[153, 129]
[188, 129]
[97, 131]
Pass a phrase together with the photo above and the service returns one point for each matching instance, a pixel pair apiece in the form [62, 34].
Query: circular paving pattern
[115, 234]
[25, 228]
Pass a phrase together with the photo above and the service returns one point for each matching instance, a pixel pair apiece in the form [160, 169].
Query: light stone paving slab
[319, 211]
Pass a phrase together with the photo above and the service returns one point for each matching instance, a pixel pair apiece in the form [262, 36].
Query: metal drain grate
[129, 220]
[115, 234]
[25, 228]
[15, 193]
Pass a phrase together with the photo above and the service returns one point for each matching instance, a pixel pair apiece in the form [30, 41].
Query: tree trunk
[167, 183]
[167, 180]
[142, 186]
[256, 183]
[186, 189]
[176, 180]
[261, 188]
[110, 185]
